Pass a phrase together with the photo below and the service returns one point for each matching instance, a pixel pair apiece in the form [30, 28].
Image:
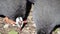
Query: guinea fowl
[12, 9]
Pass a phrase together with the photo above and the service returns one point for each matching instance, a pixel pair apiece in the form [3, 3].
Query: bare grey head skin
[46, 15]
[13, 8]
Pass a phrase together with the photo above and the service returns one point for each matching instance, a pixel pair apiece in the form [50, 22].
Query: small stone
[6, 26]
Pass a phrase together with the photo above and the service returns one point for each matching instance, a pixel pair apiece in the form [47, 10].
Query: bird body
[12, 8]
[46, 15]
